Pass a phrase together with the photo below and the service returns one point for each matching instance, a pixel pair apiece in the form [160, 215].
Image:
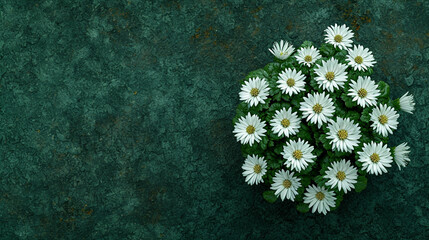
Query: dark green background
[115, 119]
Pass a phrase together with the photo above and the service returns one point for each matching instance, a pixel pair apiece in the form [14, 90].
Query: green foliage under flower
[271, 145]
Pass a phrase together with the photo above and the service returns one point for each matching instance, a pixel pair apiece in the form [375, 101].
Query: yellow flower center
[382, 119]
[297, 154]
[341, 175]
[254, 92]
[308, 58]
[359, 60]
[317, 108]
[342, 134]
[250, 129]
[285, 123]
[257, 168]
[338, 38]
[287, 183]
[290, 82]
[362, 93]
[330, 76]
[375, 158]
[320, 196]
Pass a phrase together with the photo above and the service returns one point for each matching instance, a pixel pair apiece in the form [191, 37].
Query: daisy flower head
[317, 108]
[249, 129]
[400, 155]
[406, 103]
[254, 91]
[254, 168]
[344, 134]
[364, 91]
[342, 175]
[285, 185]
[375, 158]
[291, 81]
[285, 122]
[319, 199]
[331, 74]
[360, 58]
[298, 154]
[384, 119]
[308, 55]
[282, 50]
[339, 36]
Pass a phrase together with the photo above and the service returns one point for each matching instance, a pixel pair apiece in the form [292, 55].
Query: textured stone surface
[115, 119]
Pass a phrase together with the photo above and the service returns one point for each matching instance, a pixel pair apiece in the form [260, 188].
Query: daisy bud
[406, 103]
[400, 155]
[282, 50]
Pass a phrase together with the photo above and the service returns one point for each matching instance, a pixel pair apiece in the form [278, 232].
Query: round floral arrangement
[313, 123]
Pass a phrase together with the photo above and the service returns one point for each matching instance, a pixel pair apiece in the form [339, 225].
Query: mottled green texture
[115, 119]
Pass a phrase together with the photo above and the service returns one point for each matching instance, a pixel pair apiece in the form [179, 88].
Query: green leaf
[269, 196]
[274, 107]
[278, 96]
[318, 151]
[348, 100]
[306, 44]
[278, 149]
[325, 142]
[264, 143]
[287, 64]
[305, 135]
[295, 101]
[338, 200]
[361, 183]
[305, 181]
[302, 207]
[353, 115]
[272, 67]
[341, 154]
[341, 53]
[286, 97]
[261, 73]
[320, 181]
[365, 117]
[327, 50]
[274, 136]
[368, 72]
[384, 89]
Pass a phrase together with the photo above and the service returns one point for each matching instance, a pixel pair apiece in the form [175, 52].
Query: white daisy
[249, 129]
[291, 82]
[282, 50]
[360, 58]
[308, 55]
[254, 168]
[400, 155]
[384, 119]
[254, 91]
[317, 108]
[339, 36]
[285, 185]
[342, 175]
[364, 91]
[298, 154]
[375, 158]
[285, 122]
[406, 103]
[331, 74]
[345, 134]
[319, 198]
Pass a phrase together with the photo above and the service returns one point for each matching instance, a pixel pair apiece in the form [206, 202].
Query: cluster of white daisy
[317, 90]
